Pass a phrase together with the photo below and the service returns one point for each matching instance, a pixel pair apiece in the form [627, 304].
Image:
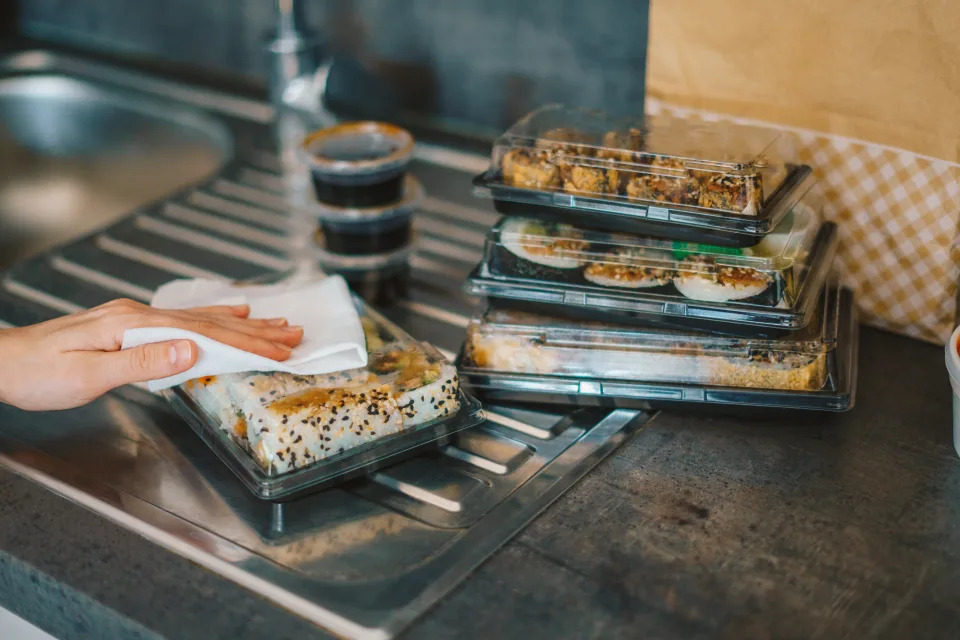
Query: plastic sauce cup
[358, 164]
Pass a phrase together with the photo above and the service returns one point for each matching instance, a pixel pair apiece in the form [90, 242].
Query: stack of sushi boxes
[653, 264]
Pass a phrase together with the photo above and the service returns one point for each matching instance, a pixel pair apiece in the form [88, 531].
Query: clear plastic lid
[838, 392]
[712, 166]
[285, 434]
[523, 343]
[767, 274]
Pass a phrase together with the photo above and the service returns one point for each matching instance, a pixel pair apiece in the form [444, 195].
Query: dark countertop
[800, 526]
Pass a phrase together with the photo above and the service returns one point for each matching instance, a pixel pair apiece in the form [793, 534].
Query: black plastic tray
[638, 307]
[672, 221]
[351, 463]
[838, 393]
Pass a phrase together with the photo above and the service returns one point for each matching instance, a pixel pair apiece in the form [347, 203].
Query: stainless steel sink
[75, 156]
[363, 560]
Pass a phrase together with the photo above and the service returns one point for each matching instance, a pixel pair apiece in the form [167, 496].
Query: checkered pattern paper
[899, 216]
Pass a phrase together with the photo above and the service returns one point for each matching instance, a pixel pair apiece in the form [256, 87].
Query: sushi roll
[212, 395]
[287, 421]
[529, 170]
[623, 146]
[625, 270]
[700, 278]
[314, 424]
[424, 389]
[534, 249]
[591, 180]
[672, 183]
[740, 194]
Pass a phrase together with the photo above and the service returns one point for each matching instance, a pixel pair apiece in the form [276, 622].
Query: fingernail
[293, 329]
[277, 322]
[180, 352]
[283, 346]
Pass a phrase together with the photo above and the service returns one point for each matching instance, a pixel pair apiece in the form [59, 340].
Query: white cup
[953, 368]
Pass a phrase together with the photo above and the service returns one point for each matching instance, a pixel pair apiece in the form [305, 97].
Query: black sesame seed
[299, 438]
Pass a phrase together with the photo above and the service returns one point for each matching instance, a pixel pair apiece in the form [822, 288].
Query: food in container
[284, 434]
[531, 249]
[709, 182]
[534, 358]
[358, 164]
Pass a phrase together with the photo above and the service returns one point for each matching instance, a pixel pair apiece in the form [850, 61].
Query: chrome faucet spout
[298, 70]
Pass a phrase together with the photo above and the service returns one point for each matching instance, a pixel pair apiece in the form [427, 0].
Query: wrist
[8, 364]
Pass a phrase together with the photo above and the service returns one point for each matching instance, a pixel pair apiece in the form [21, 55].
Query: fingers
[289, 336]
[103, 328]
[140, 364]
[236, 310]
[273, 343]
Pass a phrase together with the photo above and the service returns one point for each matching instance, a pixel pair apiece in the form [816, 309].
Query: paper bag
[869, 91]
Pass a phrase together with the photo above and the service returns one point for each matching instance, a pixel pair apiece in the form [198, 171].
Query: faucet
[298, 70]
[298, 75]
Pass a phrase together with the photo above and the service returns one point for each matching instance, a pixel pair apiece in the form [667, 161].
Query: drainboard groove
[181, 213]
[461, 212]
[475, 460]
[101, 279]
[262, 179]
[240, 211]
[447, 250]
[442, 315]
[516, 425]
[156, 260]
[40, 297]
[448, 230]
[211, 243]
[251, 194]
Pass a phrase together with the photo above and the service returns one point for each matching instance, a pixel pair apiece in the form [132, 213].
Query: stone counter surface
[699, 526]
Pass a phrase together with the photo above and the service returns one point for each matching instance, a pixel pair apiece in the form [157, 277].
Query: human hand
[70, 361]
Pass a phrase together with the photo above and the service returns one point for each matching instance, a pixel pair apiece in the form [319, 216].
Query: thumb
[146, 362]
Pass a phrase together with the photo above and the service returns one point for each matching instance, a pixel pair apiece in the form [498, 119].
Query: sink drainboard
[361, 560]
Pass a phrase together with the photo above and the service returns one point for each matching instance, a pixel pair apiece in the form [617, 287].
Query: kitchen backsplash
[483, 62]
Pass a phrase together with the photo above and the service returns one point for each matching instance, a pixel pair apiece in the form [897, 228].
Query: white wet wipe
[333, 338]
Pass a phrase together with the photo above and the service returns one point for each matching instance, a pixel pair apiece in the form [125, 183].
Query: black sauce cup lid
[364, 152]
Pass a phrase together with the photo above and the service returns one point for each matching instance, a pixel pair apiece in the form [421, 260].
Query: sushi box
[715, 183]
[519, 357]
[559, 269]
[286, 435]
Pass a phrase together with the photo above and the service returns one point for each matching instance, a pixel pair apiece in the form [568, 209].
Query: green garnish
[683, 250]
